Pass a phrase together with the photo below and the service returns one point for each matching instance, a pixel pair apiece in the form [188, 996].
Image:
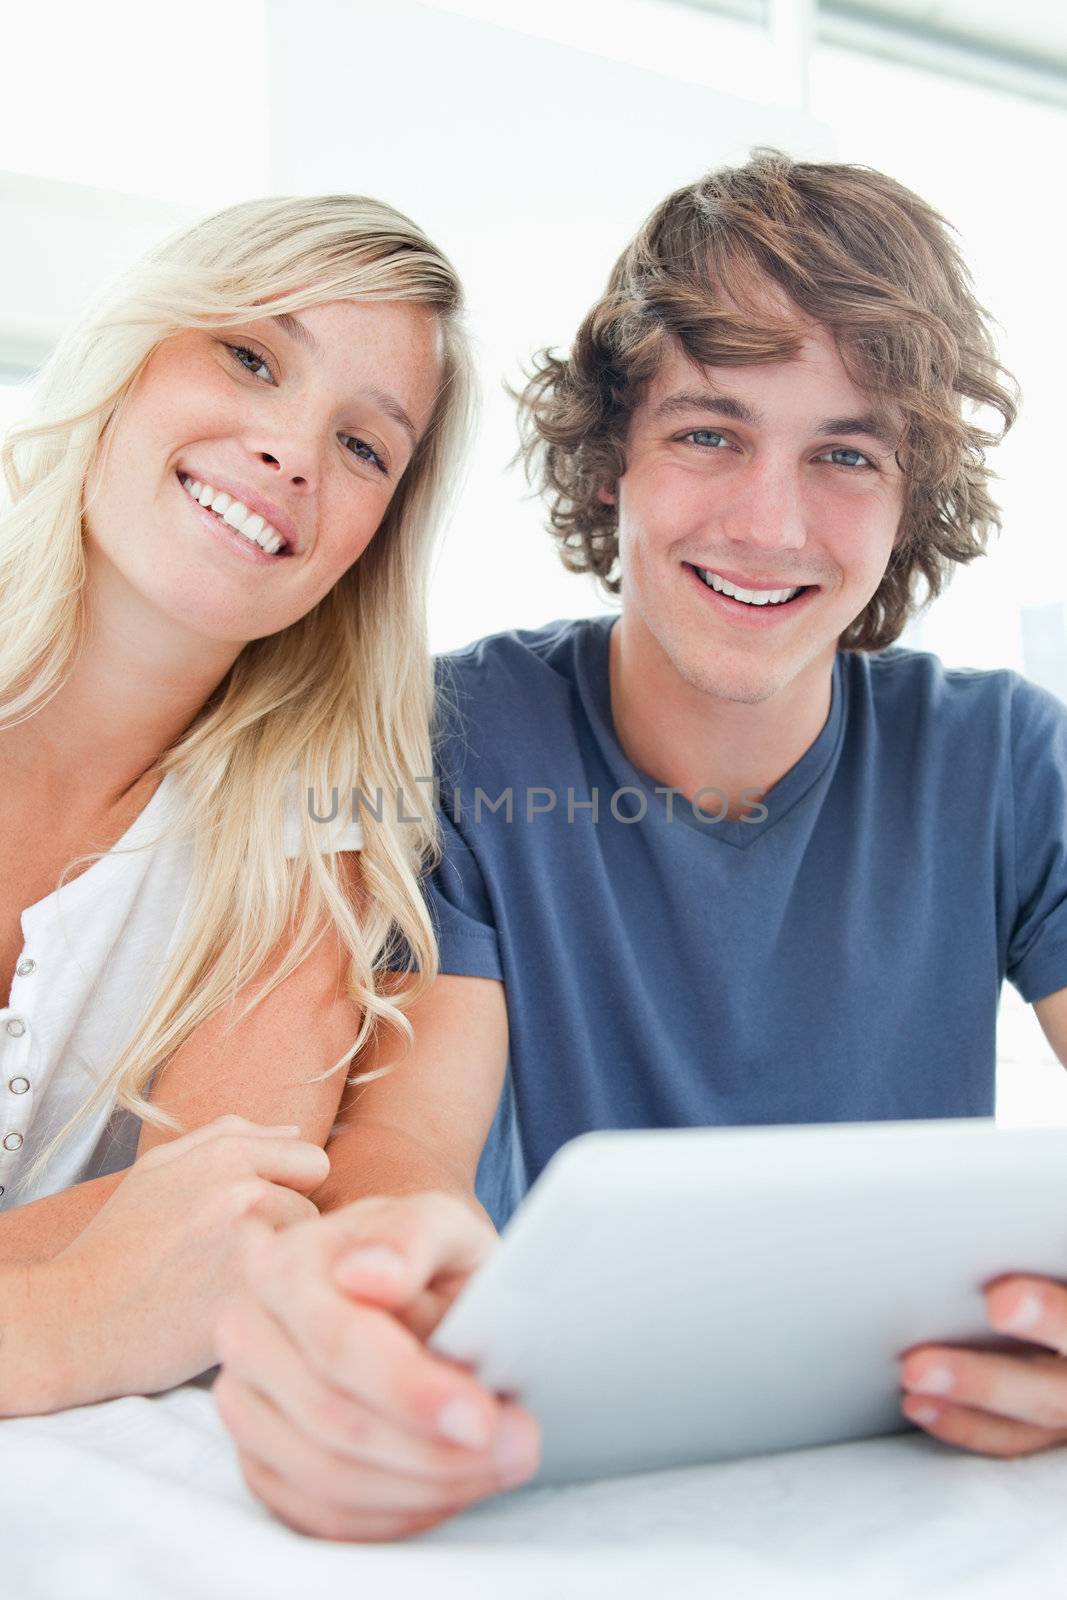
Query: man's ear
[605, 495]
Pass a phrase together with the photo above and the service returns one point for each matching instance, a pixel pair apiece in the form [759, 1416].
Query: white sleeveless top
[93, 952]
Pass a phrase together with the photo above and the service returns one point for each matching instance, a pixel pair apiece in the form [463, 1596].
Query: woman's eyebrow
[296, 330]
[379, 397]
[392, 408]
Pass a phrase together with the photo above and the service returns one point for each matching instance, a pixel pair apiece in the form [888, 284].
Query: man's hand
[997, 1404]
[346, 1426]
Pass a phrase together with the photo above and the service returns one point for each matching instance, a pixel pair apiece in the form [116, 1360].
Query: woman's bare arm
[259, 1070]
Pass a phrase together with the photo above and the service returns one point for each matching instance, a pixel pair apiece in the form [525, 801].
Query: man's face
[770, 477]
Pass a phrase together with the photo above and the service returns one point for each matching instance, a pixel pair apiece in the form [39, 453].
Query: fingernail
[938, 1380]
[922, 1414]
[460, 1422]
[515, 1459]
[1027, 1314]
[370, 1261]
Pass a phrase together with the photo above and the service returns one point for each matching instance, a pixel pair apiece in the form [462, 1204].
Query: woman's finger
[222, 1127]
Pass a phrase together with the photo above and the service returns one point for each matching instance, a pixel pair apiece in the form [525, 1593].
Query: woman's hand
[998, 1404]
[130, 1306]
[347, 1427]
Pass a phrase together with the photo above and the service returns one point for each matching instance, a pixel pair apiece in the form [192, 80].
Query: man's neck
[689, 739]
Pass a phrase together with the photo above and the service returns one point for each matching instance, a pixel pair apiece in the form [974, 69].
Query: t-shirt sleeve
[1037, 946]
[461, 910]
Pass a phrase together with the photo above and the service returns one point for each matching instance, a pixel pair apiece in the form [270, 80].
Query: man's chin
[749, 688]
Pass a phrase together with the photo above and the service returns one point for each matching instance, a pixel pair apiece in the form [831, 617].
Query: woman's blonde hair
[341, 696]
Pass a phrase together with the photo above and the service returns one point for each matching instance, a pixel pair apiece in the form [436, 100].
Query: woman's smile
[234, 520]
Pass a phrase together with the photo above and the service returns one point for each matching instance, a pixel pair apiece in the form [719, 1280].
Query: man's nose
[764, 509]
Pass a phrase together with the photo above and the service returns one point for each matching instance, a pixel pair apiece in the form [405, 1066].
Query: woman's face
[297, 429]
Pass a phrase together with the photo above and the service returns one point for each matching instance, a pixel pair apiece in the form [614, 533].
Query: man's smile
[759, 606]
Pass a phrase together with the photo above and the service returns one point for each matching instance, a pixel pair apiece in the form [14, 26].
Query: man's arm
[998, 1403]
[346, 1425]
[260, 1070]
[1052, 1015]
[422, 1126]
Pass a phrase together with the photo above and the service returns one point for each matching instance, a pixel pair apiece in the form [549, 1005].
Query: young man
[758, 865]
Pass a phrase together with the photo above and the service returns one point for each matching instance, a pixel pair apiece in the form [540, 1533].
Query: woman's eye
[706, 437]
[859, 459]
[365, 452]
[255, 360]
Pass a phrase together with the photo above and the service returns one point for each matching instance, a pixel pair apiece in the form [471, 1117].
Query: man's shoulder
[512, 673]
[519, 655]
[904, 680]
[983, 705]
[510, 698]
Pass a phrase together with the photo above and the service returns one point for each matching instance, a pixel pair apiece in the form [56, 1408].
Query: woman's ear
[605, 495]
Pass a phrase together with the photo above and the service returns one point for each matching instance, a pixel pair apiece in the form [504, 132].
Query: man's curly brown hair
[854, 250]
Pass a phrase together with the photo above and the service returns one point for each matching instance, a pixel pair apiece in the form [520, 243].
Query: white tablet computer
[667, 1298]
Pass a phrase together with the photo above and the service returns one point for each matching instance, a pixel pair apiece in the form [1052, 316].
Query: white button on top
[25, 967]
[19, 1085]
[13, 1141]
[16, 1027]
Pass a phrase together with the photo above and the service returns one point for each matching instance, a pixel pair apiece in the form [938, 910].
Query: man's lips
[751, 614]
[739, 581]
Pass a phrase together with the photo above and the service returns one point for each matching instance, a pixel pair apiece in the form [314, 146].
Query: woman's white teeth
[750, 597]
[236, 515]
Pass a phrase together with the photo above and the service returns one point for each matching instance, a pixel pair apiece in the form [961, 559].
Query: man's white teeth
[750, 597]
[235, 515]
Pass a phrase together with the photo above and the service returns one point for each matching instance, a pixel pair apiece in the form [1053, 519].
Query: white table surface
[142, 1498]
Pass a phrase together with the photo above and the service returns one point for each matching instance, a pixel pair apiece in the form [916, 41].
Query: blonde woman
[212, 571]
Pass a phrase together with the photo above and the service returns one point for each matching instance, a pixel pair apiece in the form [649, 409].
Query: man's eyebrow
[871, 426]
[724, 405]
[380, 397]
[728, 405]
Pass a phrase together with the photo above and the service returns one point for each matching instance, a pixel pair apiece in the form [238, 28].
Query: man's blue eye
[701, 436]
[845, 450]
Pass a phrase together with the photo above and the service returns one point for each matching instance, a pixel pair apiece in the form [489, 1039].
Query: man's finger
[365, 1353]
[257, 1351]
[340, 1480]
[1034, 1309]
[979, 1431]
[389, 1250]
[307, 1515]
[1023, 1388]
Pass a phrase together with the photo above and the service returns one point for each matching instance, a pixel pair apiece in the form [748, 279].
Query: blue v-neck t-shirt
[834, 955]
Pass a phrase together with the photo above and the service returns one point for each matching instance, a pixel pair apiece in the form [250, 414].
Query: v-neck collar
[594, 671]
